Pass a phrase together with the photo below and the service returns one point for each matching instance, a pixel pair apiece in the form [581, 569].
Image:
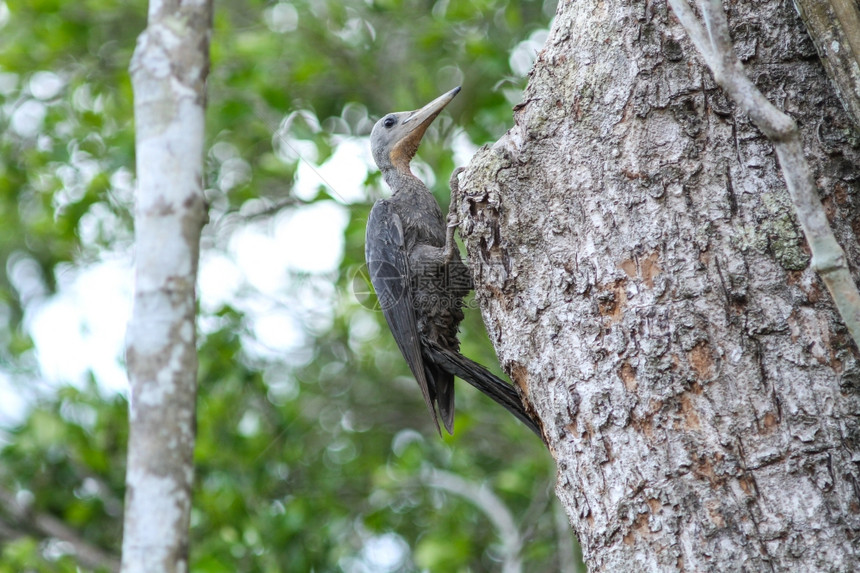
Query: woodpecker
[415, 268]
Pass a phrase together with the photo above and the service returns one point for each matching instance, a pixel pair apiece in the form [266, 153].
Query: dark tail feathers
[478, 376]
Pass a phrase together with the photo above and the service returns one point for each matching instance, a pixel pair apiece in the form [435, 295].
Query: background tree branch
[510, 541]
[49, 526]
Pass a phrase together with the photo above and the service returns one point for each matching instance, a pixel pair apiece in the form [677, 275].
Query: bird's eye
[389, 122]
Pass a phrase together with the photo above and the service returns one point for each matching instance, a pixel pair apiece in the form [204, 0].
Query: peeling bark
[645, 282]
[168, 71]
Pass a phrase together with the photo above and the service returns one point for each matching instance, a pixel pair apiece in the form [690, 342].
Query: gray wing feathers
[388, 267]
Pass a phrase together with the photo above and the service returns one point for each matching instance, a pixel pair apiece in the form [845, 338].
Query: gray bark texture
[645, 283]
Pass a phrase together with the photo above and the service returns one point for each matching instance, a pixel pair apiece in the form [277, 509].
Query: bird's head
[396, 136]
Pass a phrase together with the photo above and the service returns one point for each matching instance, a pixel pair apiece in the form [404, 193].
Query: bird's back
[437, 285]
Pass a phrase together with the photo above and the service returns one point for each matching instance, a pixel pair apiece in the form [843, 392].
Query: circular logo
[391, 283]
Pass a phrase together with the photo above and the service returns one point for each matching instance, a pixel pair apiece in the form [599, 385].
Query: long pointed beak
[425, 115]
[414, 127]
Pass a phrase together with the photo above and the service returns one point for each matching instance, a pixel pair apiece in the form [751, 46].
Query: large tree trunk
[644, 281]
[169, 74]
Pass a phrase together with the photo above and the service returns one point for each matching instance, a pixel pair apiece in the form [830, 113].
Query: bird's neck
[404, 182]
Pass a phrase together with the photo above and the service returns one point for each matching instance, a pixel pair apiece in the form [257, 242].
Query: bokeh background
[315, 451]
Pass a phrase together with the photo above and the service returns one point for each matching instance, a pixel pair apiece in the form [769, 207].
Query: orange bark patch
[612, 306]
[628, 376]
[835, 363]
[629, 267]
[769, 422]
[645, 268]
[649, 269]
[701, 361]
[644, 425]
[840, 191]
[640, 526]
[521, 377]
[703, 468]
[689, 415]
[813, 293]
[746, 484]
[829, 208]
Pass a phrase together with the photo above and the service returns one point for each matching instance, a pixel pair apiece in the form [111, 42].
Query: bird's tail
[479, 377]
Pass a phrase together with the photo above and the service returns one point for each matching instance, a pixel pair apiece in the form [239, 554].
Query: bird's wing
[388, 266]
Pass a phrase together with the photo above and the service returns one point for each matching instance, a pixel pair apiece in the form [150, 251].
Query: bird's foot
[451, 250]
[454, 182]
[453, 220]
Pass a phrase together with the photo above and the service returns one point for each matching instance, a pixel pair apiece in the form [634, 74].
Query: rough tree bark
[168, 71]
[644, 281]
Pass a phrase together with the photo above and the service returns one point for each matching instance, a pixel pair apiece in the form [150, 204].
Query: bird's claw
[454, 182]
[451, 250]
[453, 221]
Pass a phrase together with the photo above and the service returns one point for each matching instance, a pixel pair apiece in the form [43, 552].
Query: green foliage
[304, 462]
[65, 130]
[67, 460]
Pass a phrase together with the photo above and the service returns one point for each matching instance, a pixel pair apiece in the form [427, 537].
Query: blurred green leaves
[311, 459]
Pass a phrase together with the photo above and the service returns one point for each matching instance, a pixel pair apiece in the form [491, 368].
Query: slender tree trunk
[644, 281]
[169, 71]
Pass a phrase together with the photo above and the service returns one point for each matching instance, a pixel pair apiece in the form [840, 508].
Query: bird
[414, 266]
